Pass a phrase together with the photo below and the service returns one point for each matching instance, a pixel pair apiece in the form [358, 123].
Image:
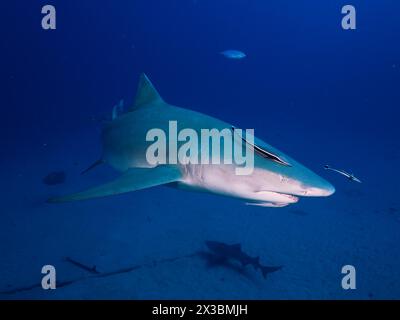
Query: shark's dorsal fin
[146, 94]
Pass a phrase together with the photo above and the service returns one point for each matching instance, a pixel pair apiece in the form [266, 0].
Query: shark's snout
[321, 188]
[320, 192]
[290, 184]
[304, 183]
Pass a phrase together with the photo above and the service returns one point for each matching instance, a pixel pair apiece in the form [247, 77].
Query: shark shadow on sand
[220, 254]
[234, 258]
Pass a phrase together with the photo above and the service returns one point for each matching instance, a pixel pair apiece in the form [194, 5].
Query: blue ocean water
[319, 93]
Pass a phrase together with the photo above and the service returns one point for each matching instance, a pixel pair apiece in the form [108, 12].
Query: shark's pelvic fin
[146, 94]
[134, 179]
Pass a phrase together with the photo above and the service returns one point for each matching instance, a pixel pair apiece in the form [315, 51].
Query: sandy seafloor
[358, 225]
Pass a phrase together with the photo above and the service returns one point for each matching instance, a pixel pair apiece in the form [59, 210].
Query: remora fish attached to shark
[276, 180]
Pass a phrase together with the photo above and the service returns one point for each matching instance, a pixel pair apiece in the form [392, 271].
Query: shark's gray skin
[228, 252]
[272, 183]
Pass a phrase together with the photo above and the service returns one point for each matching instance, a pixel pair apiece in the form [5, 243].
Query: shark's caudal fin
[266, 270]
[134, 179]
[146, 94]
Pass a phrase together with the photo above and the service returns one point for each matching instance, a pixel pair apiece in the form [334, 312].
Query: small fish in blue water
[54, 178]
[82, 266]
[233, 54]
[349, 176]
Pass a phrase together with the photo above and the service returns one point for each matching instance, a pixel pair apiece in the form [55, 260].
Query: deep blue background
[300, 62]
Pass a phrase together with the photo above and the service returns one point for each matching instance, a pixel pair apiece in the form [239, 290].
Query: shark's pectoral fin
[132, 180]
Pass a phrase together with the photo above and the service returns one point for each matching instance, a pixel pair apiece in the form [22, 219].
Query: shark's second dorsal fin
[146, 93]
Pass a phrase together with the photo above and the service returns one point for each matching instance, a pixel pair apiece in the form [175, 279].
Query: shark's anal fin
[132, 180]
[146, 94]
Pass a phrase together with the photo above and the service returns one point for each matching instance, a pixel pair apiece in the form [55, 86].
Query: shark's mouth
[276, 197]
[292, 198]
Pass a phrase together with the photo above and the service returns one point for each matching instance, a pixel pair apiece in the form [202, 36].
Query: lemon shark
[275, 181]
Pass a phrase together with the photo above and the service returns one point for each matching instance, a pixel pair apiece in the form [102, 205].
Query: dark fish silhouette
[82, 266]
[233, 252]
[54, 178]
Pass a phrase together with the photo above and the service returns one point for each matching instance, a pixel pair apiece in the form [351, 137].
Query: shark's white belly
[221, 179]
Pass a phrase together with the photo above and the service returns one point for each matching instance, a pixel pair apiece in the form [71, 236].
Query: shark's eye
[265, 153]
